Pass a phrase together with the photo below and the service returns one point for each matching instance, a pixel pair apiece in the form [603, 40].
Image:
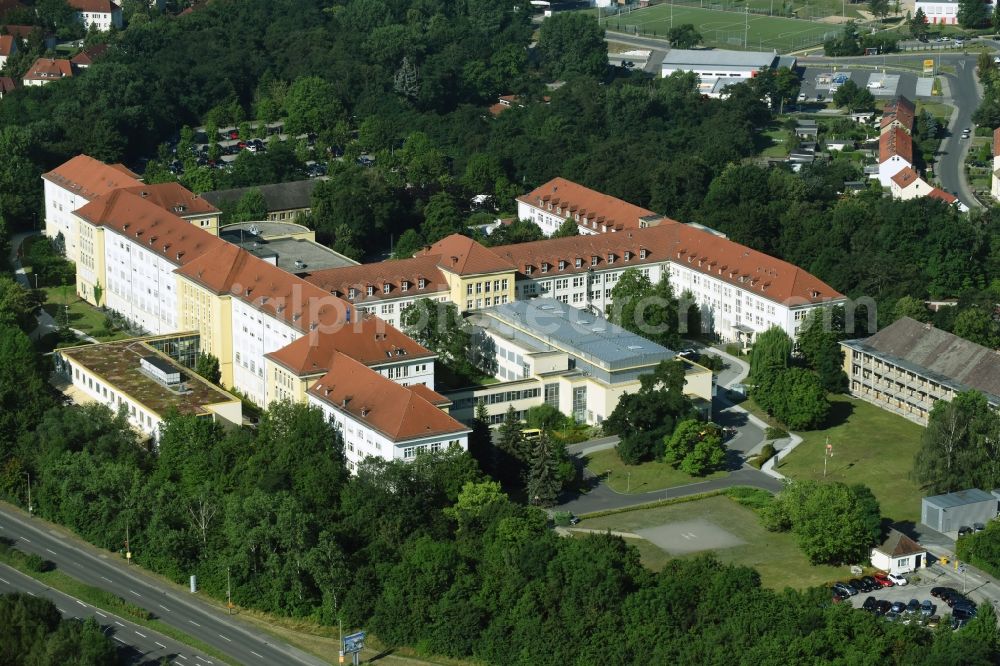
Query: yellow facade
[90, 268]
[208, 222]
[283, 384]
[474, 292]
[211, 315]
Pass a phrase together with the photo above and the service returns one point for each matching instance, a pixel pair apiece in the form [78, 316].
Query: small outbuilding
[899, 554]
[946, 513]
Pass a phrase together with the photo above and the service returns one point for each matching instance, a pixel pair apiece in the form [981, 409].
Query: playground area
[721, 27]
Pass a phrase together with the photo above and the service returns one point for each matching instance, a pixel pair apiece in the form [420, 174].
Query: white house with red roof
[895, 153]
[100, 13]
[46, 70]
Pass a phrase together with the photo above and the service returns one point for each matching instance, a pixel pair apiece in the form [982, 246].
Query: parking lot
[904, 593]
[819, 79]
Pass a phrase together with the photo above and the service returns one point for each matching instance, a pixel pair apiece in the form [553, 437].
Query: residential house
[103, 14]
[284, 201]
[46, 70]
[87, 56]
[942, 11]
[908, 366]
[898, 113]
[907, 184]
[895, 154]
[898, 554]
[74, 184]
[558, 200]
[8, 47]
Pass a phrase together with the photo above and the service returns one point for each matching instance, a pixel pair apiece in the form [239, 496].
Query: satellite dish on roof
[254, 230]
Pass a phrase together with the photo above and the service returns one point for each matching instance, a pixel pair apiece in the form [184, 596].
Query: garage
[946, 513]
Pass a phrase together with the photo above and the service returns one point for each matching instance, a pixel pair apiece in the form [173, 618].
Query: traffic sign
[354, 643]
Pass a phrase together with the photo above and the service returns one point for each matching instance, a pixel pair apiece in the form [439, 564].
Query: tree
[409, 243]
[17, 306]
[695, 447]
[973, 13]
[566, 229]
[440, 328]
[978, 325]
[794, 396]
[572, 43]
[644, 309]
[914, 308]
[819, 342]
[851, 96]
[833, 523]
[879, 8]
[847, 44]
[441, 218]
[546, 417]
[518, 231]
[959, 447]
[207, 366]
[996, 17]
[311, 105]
[251, 206]
[543, 483]
[771, 353]
[918, 24]
[23, 392]
[683, 36]
[510, 438]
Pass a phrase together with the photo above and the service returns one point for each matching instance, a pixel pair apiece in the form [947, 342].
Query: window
[479, 287]
[628, 255]
[562, 265]
[545, 267]
[593, 260]
[579, 262]
[611, 258]
[503, 284]
[528, 270]
[642, 253]
[496, 285]
[371, 290]
[386, 288]
[421, 283]
[404, 286]
[903, 562]
[468, 289]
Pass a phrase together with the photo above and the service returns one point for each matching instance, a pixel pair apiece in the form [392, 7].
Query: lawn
[642, 478]
[727, 29]
[775, 555]
[82, 315]
[870, 446]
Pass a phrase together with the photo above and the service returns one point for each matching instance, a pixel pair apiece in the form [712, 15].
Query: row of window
[484, 302]
[411, 452]
[483, 286]
[404, 286]
[595, 260]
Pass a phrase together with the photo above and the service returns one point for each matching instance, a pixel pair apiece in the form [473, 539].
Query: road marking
[182, 657]
[161, 645]
[200, 659]
[100, 613]
[30, 592]
[164, 607]
[228, 639]
[255, 654]
[52, 551]
[135, 593]
[5, 581]
[138, 634]
[105, 578]
[28, 540]
[81, 603]
[60, 610]
[119, 623]
[119, 640]
[194, 623]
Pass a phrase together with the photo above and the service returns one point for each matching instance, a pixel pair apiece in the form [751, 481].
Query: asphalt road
[242, 643]
[136, 644]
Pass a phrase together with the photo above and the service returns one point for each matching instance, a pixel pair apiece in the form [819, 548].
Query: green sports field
[726, 29]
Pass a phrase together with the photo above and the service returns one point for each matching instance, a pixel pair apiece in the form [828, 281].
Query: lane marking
[223, 637]
[255, 654]
[60, 610]
[100, 613]
[194, 623]
[138, 634]
[135, 593]
[163, 607]
[119, 623]
[28, 540]
[182, 657]
[200, 659]
[30, 592]
[119, 640]
[52, 551]
[161, 645]
[105, 578]
[5, 582]
[81, 603]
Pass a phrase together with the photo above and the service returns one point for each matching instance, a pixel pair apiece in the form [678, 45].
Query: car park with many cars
[910, 609]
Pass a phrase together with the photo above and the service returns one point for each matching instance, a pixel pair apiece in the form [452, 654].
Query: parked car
[234, 134]
[844, 587]
[898, 607]
[882, 579]
[964, 529]
[955, 598]
[942, 592]
[913, 606]
[896, 579]
[872, 583]
[891, 616]
[965, 610]
[927, 608]
[870, 605]
[838, 594]
[573, 520]
[978, 527]
[933, 621]
[884, 606]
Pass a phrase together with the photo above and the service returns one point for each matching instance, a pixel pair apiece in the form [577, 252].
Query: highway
[242, 643]
[136, 644]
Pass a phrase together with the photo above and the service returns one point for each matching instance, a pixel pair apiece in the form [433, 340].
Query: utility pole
[128, 551]
[746, 25]
[229, 593]
[29, 492]
[827, 453]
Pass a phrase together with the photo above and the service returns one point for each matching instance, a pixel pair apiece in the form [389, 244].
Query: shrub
[775, 433]
[766, 453]
[752, 498]
[36, 563]
[561, 518]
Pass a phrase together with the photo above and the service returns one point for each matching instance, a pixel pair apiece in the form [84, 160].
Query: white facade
[548, 221]
[995, 179]
[103, 21]
[939, 12]
[140, 417]
[141, 284]
[255, 333]
[362, 441]
[902, 564]
[391, 310]
[59, 206]
[409, 372]
[889, 168]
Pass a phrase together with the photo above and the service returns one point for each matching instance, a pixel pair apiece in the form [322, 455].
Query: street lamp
[28, 474]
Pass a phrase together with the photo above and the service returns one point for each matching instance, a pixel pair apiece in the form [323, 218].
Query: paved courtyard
[690, 536]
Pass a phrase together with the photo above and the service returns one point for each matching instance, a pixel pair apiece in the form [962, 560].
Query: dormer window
[352, 293]
[386, 288]
[421, 283]
[371, 290]
[576, 217]
[611, 258]
[404, 285]
[579, 262]
[545, 267]
[642, 253]
[593, 260]
[628, 255]
[562, 265]
[528, 270]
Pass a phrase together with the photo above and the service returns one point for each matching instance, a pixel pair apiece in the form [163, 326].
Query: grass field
[728, 29]
[82, 315]
[638, 478]
[774, 554]
[870, 446]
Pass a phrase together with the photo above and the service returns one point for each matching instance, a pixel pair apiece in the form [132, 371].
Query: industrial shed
[946, 513]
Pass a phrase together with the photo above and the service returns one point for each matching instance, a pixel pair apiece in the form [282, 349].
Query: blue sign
[354, 643]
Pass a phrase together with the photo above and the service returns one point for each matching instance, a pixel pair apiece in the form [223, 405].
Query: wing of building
[908, 366]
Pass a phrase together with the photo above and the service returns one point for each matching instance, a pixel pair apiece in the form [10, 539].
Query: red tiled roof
[464, 256]
[905, 176]
[369, 340]
[158, 230]
[387, 407]
[6, 84]
[91, 178]
[430, 395]
[93, 6]
[677, 243]
[49, 69]
[901, 110]
[21, 31]
[597, 211]
[340, 281]
[7, 45]
[895, 142]
[175, 198]
[267, 288]
[947, 197]
[87, 56]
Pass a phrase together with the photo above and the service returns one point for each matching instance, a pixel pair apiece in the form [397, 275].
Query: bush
[37, 564]
[766, 453]
[752, 498]
[561, 518]
[775, 433]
